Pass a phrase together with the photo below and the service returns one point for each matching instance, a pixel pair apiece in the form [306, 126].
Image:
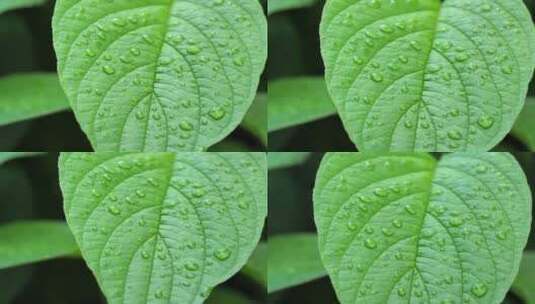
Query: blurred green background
[294, 50]
[290, 212]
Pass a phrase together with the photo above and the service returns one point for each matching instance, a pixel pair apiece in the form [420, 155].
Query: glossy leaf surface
[166, 227]
[159, 75]
[426, 75]
[407, 228]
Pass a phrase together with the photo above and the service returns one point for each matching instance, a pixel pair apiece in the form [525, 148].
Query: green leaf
[255, 122]
[523, 285]
[26, 96]
[524, 125]
[281, 160]
[256, 267]
[7, 156]
[427, 75]
[296, 101]
[157, 75]
[294, 259]
[275, 6]
[25, 242]
[399, 227]
[164, 226]
[6, 5]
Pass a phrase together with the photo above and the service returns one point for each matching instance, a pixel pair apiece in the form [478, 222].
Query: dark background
[294, 50]
[26, 46]
[290, 211]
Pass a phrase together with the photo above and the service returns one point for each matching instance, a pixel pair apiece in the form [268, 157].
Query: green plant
[153, 226]
[363, 205]
[159, 75]
[426, 75]
[394, 227]
[302, 116]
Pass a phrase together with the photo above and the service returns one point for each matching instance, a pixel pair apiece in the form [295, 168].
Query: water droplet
[456, 221]
[377, 77]
[479, 290]
[415, 45]
[352, 226]
[90, 53]
[455, 134]
[380, 192]
[502, 235]
[140, 193]
[114, 210]
[159, 294]
[192, 266]
[461, 57]
[387, 232]
[397, 223]
[403, 59]
[374, 4]
[186, 126]
[217, 113]
[243, 204]
[193, 50]
[481, 169]
[358, 60]
[222, 254]
[410, 210]
[485, 121]
[385, 28]
[108, 70]
[507, 69]
[135, 51]
[402, 292]
[370, 244]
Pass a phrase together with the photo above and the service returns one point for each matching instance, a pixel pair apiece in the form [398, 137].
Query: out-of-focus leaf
[275, 6]
[523, 285]
[6, 156]
[293, 259]
[255, 121]
[524, 128]
[295, 101]
[227, 296]
[24, 242]
[256, 267]
[26, 96]
[280, 160]
[6, 5]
